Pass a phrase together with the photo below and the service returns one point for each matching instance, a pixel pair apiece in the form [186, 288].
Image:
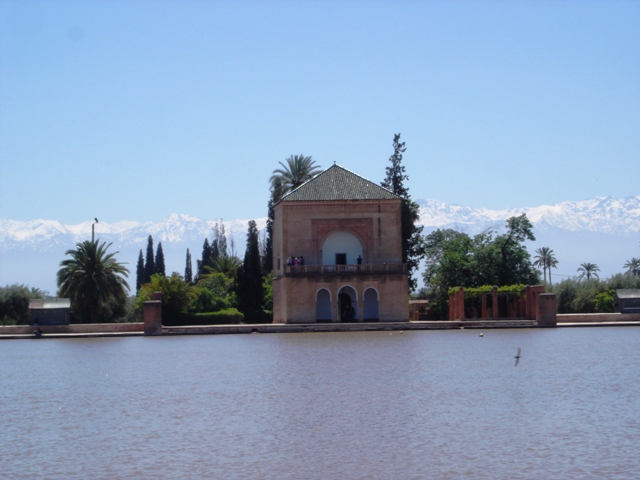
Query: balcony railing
[302, 270]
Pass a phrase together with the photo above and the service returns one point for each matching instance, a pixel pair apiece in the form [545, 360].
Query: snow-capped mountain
[603, 215]
[601, 230]
[47, 235]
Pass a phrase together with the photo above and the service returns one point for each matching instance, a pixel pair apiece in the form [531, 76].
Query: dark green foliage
[176, 295]
[149, 265]
[206, 258]
[159, 262]
[215, 291]
[454, 259]
[230, 316]
[14, 303]
[412, 243]
[188, 273]
[94, 281]
[267, 286]
[250, 290]
[604, 302]
[140, 272]
[267, 258]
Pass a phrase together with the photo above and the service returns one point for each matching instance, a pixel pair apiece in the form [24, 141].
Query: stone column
[494, 299]
[485, 307]
[461, 304]
[546, 310]
[152, 313]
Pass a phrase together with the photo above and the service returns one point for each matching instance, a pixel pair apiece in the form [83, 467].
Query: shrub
[605, 301]
[230, 316]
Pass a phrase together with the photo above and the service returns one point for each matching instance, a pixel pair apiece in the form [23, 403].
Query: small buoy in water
[401, 331]
[461, 328]
[482, 334]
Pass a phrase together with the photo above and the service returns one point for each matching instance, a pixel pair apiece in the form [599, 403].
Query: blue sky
[135, 110]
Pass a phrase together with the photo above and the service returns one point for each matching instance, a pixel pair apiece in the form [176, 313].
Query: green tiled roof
[338, 183]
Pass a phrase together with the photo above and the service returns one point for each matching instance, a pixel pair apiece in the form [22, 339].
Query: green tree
[546, 259]
[140, 272]
[188, 273]
[176, 294]
[454, 259]
[213, 293]
[605, 301]
[159, 261]
[250, 290]
[588, 270]
[413, 249]
[206, 258]
[14, 303]
[267, 257]
[92, 279]
[150, 264]
[633, 267]
[226, 265]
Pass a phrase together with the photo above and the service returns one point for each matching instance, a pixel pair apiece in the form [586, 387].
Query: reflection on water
[445, 404]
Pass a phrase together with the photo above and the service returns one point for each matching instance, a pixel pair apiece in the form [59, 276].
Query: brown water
[443, 404]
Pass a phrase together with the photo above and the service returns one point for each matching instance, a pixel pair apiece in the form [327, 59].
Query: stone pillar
[461, 304]
[485, 307]
[494, 299]
[452, 307]
[546, 310]
[152, 313]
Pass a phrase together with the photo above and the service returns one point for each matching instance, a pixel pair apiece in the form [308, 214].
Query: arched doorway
[341, 248]
[323, 306]
[347, 305]
[370, 307]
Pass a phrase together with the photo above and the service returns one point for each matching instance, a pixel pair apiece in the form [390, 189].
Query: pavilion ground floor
[350, 298]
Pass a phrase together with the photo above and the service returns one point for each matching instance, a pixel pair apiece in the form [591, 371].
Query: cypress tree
[250, 291]
[160, 260]
[139, 272]
[267, 259]
[206, 257]
[188, 274]
[412, 243]
[150, 264]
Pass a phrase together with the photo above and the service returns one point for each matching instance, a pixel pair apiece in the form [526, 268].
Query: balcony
[372, 269]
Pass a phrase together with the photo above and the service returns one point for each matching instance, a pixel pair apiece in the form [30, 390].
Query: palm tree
[588, 270]
[297, 170]
[92, 278]
[225, 265]
[633, 267]
[541, 260]
[552, 262]
[545, 259]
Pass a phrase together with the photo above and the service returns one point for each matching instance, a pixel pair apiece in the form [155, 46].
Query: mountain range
[602, 230]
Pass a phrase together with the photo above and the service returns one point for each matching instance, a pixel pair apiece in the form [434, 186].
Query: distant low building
[337, 252]
[50, 311]
[627, 300]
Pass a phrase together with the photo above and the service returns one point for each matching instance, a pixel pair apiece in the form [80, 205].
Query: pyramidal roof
[338, 183]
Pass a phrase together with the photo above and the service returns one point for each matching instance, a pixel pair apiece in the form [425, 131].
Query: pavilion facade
[337, 252]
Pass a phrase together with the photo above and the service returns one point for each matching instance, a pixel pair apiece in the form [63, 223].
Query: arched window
[323, 305]
[341, 248]
[370, 307]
